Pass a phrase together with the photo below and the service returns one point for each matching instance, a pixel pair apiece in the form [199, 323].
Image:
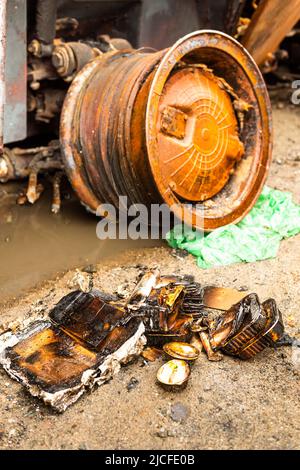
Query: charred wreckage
[83, 341]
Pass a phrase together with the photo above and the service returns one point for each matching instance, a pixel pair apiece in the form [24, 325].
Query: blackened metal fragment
[87, 316]
[248, 328]
[50, 359]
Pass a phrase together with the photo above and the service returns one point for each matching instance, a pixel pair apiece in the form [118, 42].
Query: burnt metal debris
[88, 335]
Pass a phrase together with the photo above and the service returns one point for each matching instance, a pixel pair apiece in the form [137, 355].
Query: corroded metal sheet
[2, 67]
[84, 345]
[15, 108]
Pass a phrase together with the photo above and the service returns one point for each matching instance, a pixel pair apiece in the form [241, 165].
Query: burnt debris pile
[87, 336]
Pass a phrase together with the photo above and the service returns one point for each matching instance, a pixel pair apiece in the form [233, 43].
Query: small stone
[179, 253]
[163, 412]
[80, 281]
[243, 288]
[162, 433]
[12, 432]
[132, 384]
[82, 446]
[291, 321]
[179, 412]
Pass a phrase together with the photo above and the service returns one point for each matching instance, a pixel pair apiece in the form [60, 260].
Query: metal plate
[2, 69]
[15, 108]
[198, 142]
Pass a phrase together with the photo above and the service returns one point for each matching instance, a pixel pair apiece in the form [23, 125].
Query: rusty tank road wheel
[187, 125]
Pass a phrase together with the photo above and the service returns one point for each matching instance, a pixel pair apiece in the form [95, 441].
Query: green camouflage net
[274, 217]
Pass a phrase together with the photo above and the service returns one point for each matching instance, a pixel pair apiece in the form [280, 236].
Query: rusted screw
[57, 59]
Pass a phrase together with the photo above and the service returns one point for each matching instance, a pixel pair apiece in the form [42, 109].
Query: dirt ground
[227, 405]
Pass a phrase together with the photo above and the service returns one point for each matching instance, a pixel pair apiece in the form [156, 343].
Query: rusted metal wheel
[188, 125]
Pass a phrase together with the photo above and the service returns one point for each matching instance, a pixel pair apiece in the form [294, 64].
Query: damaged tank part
[43, 24]
[46, 13]
[247, 328]
[69, 58]
[159, 301]
[20, 162]
[246, 312]
[162, 316]
[270, 24]
[88, 317]
[212, 355]
[174, 374]
[151, 354]
[191, 124]
[221, 298]
[59, 366]
[143, 289]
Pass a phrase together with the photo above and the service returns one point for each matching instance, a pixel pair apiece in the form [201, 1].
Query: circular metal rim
[186, 45]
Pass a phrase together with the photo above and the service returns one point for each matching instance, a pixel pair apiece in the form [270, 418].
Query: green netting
[274, 217]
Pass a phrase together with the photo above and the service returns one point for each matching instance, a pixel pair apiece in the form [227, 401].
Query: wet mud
[36, 245]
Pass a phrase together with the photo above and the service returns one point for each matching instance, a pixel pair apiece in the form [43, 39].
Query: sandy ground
[227, 405]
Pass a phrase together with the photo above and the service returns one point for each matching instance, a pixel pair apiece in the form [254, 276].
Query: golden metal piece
[174, 373]
[180, 350]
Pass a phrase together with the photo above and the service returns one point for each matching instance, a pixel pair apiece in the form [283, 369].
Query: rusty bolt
[35, 48]
[57, 59]
[63, 60]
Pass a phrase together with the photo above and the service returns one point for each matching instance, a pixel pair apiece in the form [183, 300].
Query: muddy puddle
[36, 245]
